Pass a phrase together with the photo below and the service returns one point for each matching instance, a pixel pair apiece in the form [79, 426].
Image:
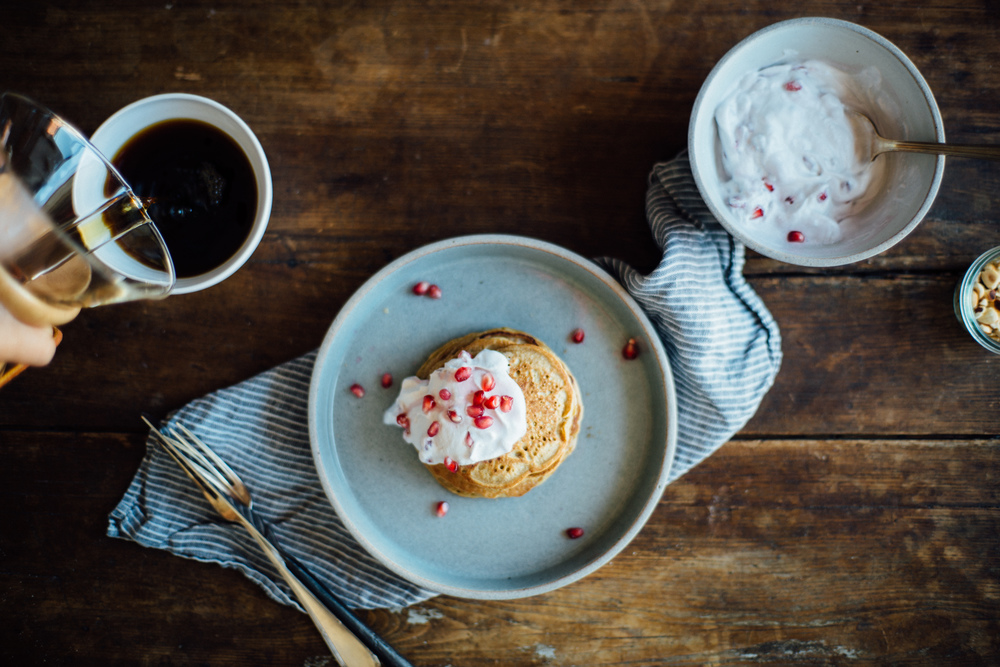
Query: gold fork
[353, 644]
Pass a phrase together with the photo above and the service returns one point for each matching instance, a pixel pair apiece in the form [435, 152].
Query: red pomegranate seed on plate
[357, 390]
[474, 411]
[796, 237]
[444, 394]
[433, 429]
[428, 403]
[793, 86]
[574, 533]
[484, 422]
[631, 349]
[434, 292]
[386, 380]
[454, 416]
[492, 402]
[488, 381]
[463, 374]
[451, 464]
[441, 508]
[403, 420]
[506, 403]
[822, 196]
[421, 288]
[478, 397]
[770, 188]
[577, 335]
[757, 213]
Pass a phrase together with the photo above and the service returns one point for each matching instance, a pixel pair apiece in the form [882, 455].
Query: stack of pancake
[554, 411]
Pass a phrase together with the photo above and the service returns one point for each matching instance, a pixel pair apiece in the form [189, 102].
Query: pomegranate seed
[454, 416]
[574, 533]
[468, 439]
[492, 402]
[441, 508]
[577, 335]
[421, 288]
[757, 213]
[484, 422]
[434, 292]
[822, 196]
[428, 404]
[403, 420]
[463, 374]
[478, 397]
[790, 199]
[488, 382]
[506, 403]
[793, 86]
[357, 390]
[631, 349]
[386, 380]
[433, 429]
[451, 464]
[770, 188]
[796, 237]
[474, 411]
[444, 394]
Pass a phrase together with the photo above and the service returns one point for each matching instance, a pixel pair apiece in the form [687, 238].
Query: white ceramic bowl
[909, 112]
[132, 119]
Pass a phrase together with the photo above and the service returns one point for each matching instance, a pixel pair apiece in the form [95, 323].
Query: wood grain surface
[854, 520]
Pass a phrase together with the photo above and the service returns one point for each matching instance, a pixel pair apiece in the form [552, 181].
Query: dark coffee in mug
[198, 187]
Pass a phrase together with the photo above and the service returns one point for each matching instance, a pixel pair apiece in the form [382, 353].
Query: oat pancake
[553, 406]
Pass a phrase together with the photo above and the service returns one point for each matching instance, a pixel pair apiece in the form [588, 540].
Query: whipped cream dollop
[788, 149]
[469, 410]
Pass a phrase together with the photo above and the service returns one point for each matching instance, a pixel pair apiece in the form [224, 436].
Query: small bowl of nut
[977, 300]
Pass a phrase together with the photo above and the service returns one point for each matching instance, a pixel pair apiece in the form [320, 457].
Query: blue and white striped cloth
[724, 349]
[724, 346]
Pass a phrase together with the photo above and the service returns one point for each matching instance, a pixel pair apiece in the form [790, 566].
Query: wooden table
[853, 520]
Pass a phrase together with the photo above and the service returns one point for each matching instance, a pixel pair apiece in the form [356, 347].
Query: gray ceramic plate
[513, 547]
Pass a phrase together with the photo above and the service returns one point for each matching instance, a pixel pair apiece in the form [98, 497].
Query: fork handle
[375, 643]
[347, 648]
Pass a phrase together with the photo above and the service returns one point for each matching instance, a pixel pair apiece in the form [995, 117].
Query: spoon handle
[954, 150]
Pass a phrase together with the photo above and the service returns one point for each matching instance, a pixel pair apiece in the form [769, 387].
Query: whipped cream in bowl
[790, 151]
[772, 148]
[469, 410]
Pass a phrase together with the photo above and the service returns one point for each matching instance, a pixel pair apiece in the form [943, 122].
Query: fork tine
[192, 461]
[212, 460]
[197, 460]
[193, 469]
[207, 484]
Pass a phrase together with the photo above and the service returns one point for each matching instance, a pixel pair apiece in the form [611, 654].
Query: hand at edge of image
[25, 344]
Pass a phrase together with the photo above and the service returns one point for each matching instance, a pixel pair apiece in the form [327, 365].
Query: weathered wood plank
[890, 360]
[787, 550]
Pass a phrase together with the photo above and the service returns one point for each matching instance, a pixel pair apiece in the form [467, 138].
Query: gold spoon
[870, 143]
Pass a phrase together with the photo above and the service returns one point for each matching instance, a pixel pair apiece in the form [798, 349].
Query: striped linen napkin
[724, 349]
[724, 346]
